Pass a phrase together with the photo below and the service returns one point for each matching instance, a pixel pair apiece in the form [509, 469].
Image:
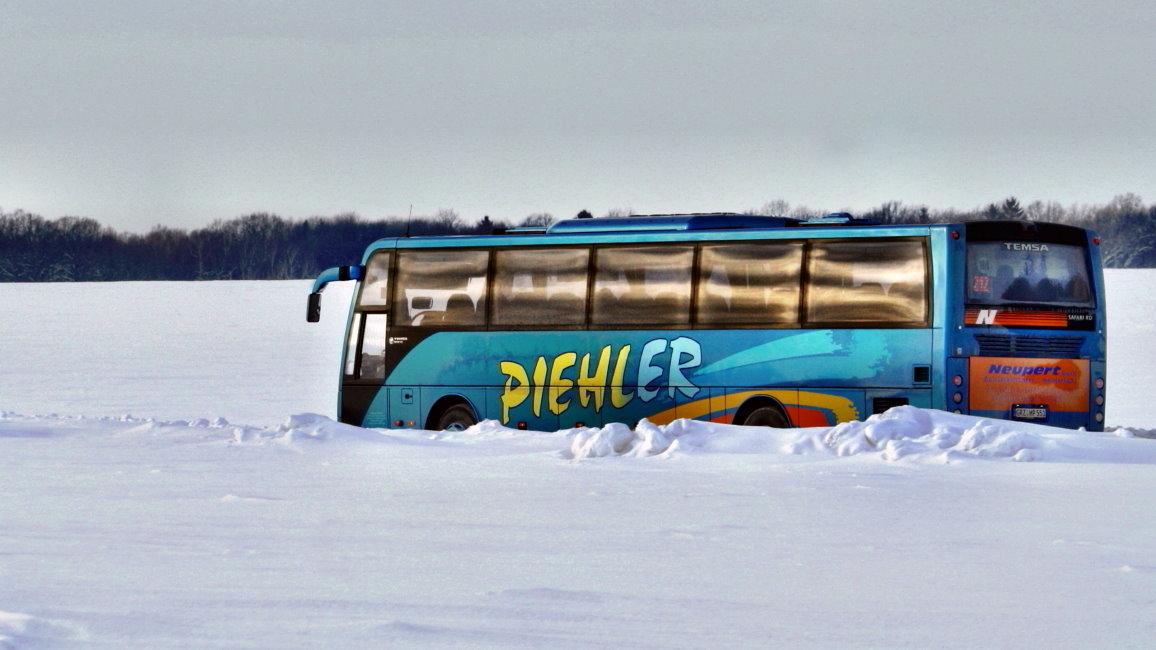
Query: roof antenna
[408, 220]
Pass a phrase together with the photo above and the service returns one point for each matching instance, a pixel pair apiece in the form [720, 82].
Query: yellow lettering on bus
[558, 384]
[593, 385]
[539, 385]
[553, 382]
[513, 395]
[618, 396]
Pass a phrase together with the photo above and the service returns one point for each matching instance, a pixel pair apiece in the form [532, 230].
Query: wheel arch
[445, 403]
[757, 402]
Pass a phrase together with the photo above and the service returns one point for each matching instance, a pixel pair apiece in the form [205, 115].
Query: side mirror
[313, 311]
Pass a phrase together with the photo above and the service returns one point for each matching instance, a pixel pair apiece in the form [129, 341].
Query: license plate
[1030, 412]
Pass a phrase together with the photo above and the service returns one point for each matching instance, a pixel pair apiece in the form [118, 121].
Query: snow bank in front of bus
[907, 431]
[902, 433]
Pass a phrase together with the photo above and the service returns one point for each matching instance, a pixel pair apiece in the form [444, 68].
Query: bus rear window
[1003, 272]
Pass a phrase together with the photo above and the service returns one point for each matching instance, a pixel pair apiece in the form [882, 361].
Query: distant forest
[267, 247]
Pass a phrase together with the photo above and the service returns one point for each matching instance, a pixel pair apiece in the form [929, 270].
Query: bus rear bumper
[1066, 393]
[1060, 419]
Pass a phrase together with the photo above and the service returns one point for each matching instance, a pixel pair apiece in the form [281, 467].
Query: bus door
[362, 402]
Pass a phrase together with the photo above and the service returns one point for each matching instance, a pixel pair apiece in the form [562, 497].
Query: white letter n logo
[985, 317]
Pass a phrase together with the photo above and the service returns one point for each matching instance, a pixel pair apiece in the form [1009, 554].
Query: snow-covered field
[162, 485]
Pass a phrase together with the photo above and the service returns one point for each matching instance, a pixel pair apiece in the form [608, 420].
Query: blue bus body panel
[601, 376]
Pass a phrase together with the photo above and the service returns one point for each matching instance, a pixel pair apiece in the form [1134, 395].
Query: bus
[729, 318]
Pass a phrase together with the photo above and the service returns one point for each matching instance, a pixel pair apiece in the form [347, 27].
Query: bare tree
[448, 219]
[803, 212]
[538, 219]
[775, 208]
[1051, 211]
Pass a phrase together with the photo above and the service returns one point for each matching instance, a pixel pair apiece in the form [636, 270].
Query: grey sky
[138, 112]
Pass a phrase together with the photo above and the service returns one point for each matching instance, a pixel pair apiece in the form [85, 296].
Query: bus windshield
[1006, 272]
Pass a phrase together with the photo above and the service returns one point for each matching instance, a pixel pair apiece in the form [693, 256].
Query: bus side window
[642, 285]
[535, 287]
[440, 288]
[750, 283]
[867, 282]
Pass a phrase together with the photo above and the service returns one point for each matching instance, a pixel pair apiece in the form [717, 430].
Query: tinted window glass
[1008, 272]
[642, 285]
[351, 347]
[540, 287]
[368, 350]
[440, 288]
[867, 282]
[373, 347]
[750, 283]
[375, 284]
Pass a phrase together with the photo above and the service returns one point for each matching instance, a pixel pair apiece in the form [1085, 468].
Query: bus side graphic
[704, 375]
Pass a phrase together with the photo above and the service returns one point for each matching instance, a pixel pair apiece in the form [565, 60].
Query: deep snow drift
[241, 525]
[915, 528]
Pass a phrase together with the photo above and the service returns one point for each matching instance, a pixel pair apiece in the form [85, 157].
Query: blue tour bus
[723, 317]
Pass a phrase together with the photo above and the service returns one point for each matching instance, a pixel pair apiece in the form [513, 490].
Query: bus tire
[766, 416]
[458, 417]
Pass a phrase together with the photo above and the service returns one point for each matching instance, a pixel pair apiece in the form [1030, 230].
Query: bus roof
[670, 223]
[664, 227]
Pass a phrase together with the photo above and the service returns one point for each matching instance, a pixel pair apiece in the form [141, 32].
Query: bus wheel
[766, 416]
[458, 417]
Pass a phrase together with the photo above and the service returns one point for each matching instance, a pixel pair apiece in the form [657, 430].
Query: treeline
[1127, 227]
[253, 247]
[265, 246]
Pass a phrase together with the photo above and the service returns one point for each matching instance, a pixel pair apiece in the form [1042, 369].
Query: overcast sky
[178, 112]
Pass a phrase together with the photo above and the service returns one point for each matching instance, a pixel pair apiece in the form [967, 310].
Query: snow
[168, 483]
